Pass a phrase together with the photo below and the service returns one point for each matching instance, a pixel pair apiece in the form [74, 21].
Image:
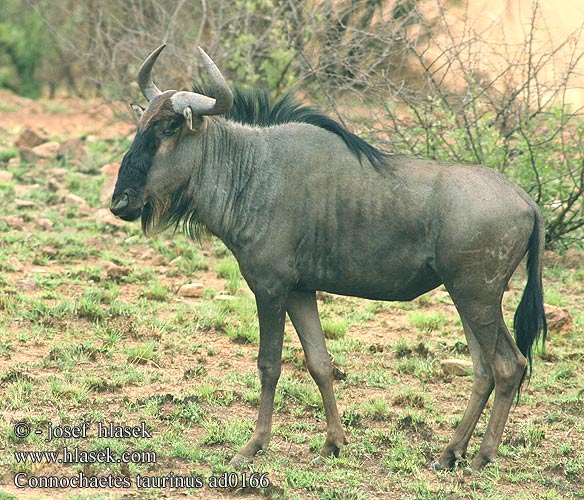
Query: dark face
[129, 200]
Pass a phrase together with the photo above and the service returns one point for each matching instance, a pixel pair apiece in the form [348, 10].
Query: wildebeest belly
[395, 277]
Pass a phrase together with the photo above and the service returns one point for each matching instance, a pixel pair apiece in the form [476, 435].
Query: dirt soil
[63, 117]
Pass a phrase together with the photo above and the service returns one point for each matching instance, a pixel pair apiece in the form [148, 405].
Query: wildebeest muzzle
[127, 205]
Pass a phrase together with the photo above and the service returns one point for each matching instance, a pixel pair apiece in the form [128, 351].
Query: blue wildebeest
[305, 205]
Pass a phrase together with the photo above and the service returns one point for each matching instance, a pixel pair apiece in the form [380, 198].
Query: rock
[114, 271]
[60, 173]
[24, 203]
[13, 221]
[14, 264]
[44, 224]
[148, 254]
[224, 297]
[21, 190]
[460, 367]
[111, 172]
[107, 190]
[78, 166]
[175, 261]
[158, 260]
[559, 320]
[40, 270]
[6, 176]
[54, 185]
[191, 290]
[95, 242]
[75, 199]
[111, 169]
[47, 149]
[78, 201]
[29, 138]
[26, 285]
[27, 155]
[44, 152]
[73, 148]
[49, 251]
[104, 215]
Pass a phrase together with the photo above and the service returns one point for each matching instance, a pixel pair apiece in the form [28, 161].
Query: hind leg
[483, 385]
[507, 364]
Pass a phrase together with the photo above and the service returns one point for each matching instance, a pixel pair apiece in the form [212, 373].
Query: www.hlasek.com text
[74, 455]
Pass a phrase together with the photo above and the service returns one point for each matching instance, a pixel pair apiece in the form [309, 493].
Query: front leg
[303, 312]
[271, 316]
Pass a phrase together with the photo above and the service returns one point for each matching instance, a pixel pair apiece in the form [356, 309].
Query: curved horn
[199, 104]
[219, 104]
[220, 89]
[145, 80]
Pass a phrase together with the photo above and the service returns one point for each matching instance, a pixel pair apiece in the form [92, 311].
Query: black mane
[255, 107]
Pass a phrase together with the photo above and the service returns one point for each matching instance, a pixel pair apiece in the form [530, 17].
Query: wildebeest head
[168, 120]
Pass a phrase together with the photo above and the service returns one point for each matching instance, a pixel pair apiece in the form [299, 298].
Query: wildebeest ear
[193, 121]
[137, 110]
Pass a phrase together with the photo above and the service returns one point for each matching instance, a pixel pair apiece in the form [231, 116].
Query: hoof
[439, 466]
[480, 462]
[333, 448]
[239, 461]
[449, 460]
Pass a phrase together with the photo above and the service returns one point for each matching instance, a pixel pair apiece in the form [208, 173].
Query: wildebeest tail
[529, 322]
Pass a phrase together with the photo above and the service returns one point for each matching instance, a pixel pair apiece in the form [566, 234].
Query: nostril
[121, 203]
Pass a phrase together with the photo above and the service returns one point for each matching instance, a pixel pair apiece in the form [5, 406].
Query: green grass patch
[228, 269]
[334, 328]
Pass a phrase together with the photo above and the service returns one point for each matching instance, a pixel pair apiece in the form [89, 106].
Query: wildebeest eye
[169, 131]
[172, 127]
